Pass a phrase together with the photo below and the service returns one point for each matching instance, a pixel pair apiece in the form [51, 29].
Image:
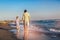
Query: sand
[5, 34]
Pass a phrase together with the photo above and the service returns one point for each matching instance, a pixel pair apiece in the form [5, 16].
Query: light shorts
[27, 24]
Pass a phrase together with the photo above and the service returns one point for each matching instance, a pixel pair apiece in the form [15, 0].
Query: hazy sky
[38, 9]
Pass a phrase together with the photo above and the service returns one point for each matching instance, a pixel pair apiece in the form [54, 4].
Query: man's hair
[25, 10]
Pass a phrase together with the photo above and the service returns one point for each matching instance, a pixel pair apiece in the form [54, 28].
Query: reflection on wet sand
[26, 33]
[37, 36]
[30, 34]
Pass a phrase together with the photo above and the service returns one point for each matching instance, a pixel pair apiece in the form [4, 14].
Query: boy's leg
[18, 30]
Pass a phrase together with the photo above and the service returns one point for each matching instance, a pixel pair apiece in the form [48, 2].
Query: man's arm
[29, 17]
[23, 17]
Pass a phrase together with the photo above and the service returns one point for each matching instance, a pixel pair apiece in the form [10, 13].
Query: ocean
[40, 30]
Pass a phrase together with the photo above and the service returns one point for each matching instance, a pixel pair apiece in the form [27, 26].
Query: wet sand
[34, 34]
[5, 34]
[38, 35]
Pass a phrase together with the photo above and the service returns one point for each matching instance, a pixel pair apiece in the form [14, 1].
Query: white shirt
[17, 21]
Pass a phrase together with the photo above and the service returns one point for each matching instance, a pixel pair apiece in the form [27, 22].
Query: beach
[5, 34]
[37, 31]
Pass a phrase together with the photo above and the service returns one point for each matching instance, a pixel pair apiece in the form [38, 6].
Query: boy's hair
[17, 17]
[25, 10]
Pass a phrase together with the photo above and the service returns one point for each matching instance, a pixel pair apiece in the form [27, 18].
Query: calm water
[40, 30]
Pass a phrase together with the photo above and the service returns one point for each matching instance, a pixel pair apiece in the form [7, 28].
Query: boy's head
[17, 17]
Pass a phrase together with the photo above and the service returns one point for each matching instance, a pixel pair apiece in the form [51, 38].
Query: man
[26, 21]
[26, 18]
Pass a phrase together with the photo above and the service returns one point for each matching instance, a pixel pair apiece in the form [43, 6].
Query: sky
[38, 9]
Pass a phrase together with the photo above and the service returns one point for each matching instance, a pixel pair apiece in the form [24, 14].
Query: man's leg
[26, 31]
[28, 24]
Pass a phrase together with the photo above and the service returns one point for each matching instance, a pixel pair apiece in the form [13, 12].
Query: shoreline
[5, 34]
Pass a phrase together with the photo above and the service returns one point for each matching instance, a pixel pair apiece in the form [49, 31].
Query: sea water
[40, 30]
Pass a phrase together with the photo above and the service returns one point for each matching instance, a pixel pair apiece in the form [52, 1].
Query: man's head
[25, 10]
